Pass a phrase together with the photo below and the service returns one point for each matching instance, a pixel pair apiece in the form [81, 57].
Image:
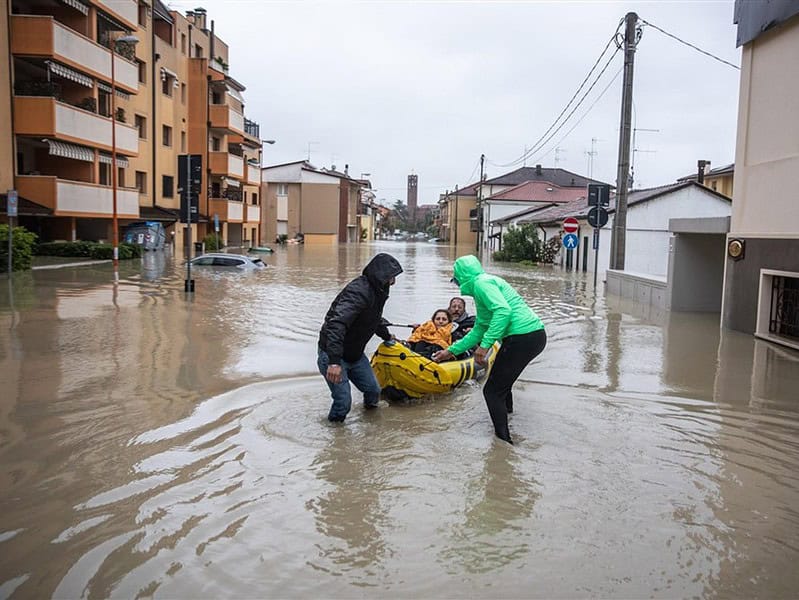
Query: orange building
[173, 96]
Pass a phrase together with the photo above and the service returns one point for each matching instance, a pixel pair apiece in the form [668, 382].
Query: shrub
[22, 245]
[88, 250]
[213, 242]
[520, 244]
[106, 251]
[551, 249]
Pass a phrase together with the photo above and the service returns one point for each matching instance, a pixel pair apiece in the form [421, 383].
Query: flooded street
[156, 446]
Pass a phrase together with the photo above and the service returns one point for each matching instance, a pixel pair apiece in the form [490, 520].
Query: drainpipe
[153, 79]
[13, 136]
[544, 231]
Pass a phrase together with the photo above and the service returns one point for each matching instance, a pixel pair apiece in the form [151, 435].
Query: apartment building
[761, 277]
[173, 95]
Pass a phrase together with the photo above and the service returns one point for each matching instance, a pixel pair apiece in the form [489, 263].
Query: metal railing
[784, 313]
[252, 128]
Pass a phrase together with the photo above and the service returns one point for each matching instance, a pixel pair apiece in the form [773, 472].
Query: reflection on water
[154, 445]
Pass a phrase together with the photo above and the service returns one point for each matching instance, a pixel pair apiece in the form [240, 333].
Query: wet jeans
[360, 374]
[514, 355]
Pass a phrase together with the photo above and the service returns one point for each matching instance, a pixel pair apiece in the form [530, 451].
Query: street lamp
[127, 39]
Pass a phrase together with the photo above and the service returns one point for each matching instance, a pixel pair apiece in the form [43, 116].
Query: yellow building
[173, 96]
[458, 216]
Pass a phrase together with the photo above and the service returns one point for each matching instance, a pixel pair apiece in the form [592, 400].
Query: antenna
[309, 149]
[558, 150]
[636, 150]
[591, 154]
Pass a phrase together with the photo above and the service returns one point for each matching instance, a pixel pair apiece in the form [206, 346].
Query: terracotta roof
[539, 191]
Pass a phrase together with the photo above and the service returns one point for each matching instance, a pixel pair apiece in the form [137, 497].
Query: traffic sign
[597, 217]
[570, 225]
[216, 222]
[598, 194]
[11, 201]
[570, 241]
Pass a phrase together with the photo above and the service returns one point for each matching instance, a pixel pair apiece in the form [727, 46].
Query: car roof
[225, 255]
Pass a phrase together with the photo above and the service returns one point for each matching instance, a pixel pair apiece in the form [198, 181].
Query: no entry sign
[570, 225]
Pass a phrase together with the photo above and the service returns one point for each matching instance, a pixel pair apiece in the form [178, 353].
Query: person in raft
[433, 335]
[502, 315]
[355, 315]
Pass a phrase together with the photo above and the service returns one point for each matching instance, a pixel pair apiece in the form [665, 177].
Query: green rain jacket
[500, 310]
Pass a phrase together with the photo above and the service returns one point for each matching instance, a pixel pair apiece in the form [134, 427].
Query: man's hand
[334, 373]
[480, 355]
[442, 355]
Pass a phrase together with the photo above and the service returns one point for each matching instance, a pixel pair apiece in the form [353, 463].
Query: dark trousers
[515, 354]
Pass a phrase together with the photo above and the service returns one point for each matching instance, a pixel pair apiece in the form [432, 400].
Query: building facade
[169, 93]
[761, 279]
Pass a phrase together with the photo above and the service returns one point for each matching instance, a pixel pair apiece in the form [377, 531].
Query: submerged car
[219, 259]
[150, 235]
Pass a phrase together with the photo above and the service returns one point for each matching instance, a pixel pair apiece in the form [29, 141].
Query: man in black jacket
[354, 317]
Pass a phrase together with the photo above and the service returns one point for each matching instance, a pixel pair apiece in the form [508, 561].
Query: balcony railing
[252, 128]
[78, 198]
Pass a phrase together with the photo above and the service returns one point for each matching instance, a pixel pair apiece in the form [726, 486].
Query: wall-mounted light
[735, 249]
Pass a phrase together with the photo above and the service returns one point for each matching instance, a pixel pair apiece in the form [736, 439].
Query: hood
[381, 269]
[466, 269]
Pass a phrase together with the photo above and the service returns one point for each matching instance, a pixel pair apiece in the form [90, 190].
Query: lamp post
[127, 39]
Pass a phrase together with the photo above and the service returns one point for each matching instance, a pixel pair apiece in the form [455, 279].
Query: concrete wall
[645, 290]
[319, 209]
[696, 272]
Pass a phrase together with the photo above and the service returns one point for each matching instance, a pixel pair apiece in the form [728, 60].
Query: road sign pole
[11, 212]
[596, 254]
[189, 285]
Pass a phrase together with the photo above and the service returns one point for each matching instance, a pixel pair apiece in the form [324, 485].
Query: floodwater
[152, 445]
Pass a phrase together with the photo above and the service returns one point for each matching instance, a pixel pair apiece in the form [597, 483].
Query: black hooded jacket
[357, 312]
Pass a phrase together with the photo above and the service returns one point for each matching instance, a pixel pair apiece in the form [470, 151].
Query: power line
[537, 144]
[698, 49]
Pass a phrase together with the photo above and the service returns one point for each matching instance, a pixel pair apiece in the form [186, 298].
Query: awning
[77, 5]
[167, 73]
[72, 151]
[232, 182]
[107, 89]
[121, 160]
[67, 73]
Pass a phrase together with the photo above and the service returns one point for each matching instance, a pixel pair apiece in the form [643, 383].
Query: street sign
[190, 177]
[11, 198]
[597, 216]
[570, 225]
[598, 194]
[216, 222]
[570, 241]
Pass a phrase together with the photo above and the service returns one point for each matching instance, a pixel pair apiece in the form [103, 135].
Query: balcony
[253, 175]
[77, 198]
[125, 10]
[48, 118]
[229, 211]
[253, 213]
[224, 117]
[46, 38]
[226, 164]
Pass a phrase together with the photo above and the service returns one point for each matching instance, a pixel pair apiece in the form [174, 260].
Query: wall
[696, 272]
[319, 208]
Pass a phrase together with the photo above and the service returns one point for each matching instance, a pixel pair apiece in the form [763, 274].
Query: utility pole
[480, 205]
[619, 238]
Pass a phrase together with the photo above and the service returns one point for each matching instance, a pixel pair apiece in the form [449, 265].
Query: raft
[404, 374]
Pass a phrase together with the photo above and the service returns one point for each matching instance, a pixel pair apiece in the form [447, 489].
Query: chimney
[538, 170]
[701, 166]
[190, 16]
[199, 18]
[347, 170]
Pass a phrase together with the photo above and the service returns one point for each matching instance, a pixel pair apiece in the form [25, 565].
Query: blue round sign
[570, 241]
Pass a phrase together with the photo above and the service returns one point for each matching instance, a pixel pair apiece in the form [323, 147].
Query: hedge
[88, 250]
[22, 242]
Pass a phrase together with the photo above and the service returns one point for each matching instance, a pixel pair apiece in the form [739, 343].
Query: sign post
[11, 211]
[189, 186]
[570, 240]
[598, 200]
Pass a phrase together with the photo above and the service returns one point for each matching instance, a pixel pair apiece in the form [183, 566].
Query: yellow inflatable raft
[403, 373]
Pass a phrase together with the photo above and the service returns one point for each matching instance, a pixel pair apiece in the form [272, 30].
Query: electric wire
[537, 145]
[698, 49]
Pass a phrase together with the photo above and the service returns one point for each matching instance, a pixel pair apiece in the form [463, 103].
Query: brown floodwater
[154, 445]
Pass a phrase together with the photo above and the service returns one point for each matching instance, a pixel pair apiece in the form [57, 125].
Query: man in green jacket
[501, 315]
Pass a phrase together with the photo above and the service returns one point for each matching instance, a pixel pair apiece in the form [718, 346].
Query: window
[224, 261]
[141, 182]
[167, 183]
[105, 174]
[142, 14]
[183, 93]
[282, 189]
[167, 83]
[142, 71]
[216, 144]
[141, 125]
[255, 198]
[198, 51]
[216, 190]
[104, 103]
[166, 135]
[183, 141]
[216, 97]
[183, 43]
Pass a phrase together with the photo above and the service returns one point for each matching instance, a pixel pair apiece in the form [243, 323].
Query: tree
[520, 244]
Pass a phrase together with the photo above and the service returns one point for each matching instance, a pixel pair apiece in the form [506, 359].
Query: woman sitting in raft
[433, 335]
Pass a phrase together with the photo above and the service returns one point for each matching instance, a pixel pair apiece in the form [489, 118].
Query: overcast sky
[392, 88]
